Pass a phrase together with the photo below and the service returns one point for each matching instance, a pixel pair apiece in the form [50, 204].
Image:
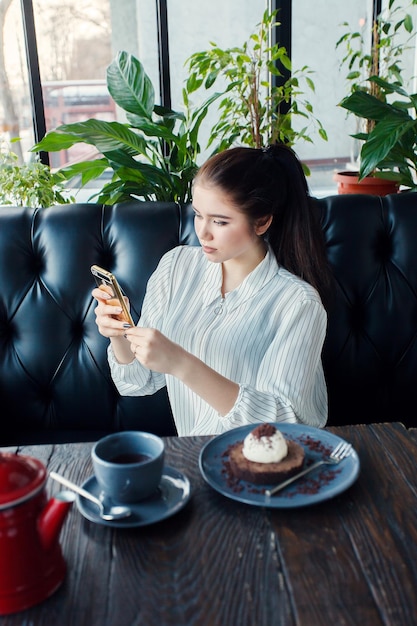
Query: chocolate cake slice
[266, 473]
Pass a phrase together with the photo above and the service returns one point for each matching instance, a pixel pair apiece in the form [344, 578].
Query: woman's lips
[208, 250]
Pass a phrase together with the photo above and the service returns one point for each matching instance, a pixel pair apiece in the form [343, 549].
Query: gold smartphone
[103, 277]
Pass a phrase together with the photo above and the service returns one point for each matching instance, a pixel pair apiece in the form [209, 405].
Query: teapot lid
[20, 477]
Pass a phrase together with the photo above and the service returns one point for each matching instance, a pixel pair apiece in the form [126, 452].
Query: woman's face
[224, 233]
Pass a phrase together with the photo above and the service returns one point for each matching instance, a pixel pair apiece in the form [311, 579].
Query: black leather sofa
[54, 379]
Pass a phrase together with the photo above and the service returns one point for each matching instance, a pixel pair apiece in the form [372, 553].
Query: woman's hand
[108, 313]
[155, 351]
[159, 354]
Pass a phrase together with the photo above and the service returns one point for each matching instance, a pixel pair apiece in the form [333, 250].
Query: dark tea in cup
[131, 457]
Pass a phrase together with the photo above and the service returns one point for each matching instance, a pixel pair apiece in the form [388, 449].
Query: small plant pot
[348, 183]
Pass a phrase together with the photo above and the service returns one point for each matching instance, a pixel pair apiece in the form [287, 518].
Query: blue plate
[322, 484]
[172, 495]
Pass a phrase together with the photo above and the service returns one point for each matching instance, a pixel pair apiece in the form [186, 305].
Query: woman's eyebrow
[218, 215]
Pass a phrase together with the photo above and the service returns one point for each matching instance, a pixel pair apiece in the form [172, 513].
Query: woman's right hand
[108, 313]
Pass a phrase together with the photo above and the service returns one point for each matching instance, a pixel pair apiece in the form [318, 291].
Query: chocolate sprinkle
[264, 430]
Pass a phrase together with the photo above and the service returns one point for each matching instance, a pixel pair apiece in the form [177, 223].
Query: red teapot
[31, 563]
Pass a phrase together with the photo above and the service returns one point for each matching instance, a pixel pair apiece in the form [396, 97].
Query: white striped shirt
[267, 335]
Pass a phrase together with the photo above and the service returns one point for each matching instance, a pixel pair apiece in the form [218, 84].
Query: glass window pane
[315, 32]
[74, 49]
[15, 102]
[227, 24]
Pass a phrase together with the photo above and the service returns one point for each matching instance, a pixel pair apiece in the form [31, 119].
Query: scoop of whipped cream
[265, 444]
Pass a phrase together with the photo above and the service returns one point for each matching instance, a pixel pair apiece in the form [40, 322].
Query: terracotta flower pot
[348, 182]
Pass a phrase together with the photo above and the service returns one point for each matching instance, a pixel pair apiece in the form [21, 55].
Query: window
[77, 41]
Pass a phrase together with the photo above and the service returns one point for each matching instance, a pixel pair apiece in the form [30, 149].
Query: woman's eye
[217, 222]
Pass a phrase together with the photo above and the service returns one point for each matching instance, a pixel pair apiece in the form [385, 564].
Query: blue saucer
[173, 494]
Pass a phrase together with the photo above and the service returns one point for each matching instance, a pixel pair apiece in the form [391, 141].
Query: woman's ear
[262, 225]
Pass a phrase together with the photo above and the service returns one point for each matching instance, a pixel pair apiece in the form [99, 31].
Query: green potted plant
[29, 184]
[389, 149]
[153, 155]
[387, 156]
[253, 111]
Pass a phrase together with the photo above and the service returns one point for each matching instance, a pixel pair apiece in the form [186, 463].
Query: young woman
[234, 328]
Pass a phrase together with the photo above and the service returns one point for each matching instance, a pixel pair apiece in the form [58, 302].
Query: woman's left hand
[153, 350]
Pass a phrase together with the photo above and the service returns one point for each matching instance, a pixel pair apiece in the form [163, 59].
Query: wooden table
[351, 560]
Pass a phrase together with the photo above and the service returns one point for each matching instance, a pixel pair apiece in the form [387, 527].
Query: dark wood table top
[349, 561]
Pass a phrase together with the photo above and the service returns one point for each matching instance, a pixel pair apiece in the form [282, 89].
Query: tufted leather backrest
[370, 354]
[54, 378]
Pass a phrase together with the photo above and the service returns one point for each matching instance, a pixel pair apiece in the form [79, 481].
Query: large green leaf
[388, 87]
[153, 129]
[56, 140]
[88, 170]
[117, 159]
[145, 172]
[105, 136]
[130, 86]
[382, 140]
[364, 105]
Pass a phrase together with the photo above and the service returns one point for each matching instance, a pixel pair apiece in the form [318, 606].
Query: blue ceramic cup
[128, 465]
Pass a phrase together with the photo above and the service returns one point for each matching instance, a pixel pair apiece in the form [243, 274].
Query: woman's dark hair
[271, 181]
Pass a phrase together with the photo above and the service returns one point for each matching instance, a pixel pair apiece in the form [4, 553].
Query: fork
[341, 451]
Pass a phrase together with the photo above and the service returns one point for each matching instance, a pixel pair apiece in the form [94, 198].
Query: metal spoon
[115, 511]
